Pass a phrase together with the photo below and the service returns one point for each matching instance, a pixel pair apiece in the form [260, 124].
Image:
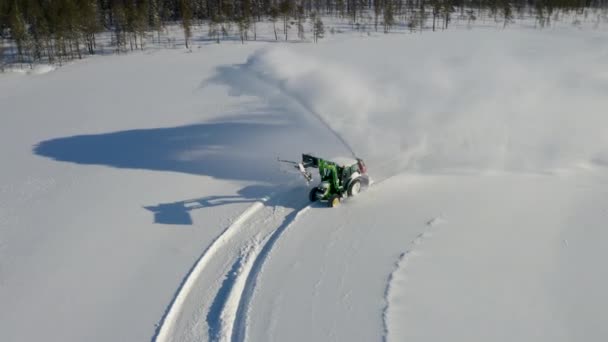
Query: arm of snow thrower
[310, 161]
[300, 167]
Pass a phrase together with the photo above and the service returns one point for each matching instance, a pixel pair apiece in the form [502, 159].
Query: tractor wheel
[334, 201]
[354, 188]
[313, 195]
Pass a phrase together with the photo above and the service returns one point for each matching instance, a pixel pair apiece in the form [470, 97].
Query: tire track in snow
[167, 324]
[397, 278]
[262, 251]
[239, 314]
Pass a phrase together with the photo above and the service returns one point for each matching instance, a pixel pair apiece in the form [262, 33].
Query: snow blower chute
[340, 178]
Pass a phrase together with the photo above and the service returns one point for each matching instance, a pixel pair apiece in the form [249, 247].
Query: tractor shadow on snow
[240, 148]
[178, 213]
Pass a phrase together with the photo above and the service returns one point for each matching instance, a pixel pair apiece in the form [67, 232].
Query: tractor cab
[340, 178]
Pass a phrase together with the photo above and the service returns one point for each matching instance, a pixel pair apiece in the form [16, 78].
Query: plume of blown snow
[527, 100]
[338, 95]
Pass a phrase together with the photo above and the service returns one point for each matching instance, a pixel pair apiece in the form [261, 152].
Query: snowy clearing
[142, 198]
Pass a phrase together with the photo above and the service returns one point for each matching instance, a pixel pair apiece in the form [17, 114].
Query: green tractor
[340, 178]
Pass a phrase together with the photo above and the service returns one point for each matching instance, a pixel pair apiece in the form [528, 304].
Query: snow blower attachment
[340, 178]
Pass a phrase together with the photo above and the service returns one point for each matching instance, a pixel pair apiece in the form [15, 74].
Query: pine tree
[141, 22]
[19, 32]
[227, 14]
[243, 23]
[119, 24]
[318, 28]
[1, 52]
[245, 10]
[186, 12]
[340, 7]
[389, 15]
[300, 19]
[88, 22]
[423, 15]
[214, 30]
[285, 8]
[436, 5]
[507, 12]
[378, 5]
[274, 15]
[470, 17]
[156, 17]
[4, 9]
[36, 22]
[446, 10]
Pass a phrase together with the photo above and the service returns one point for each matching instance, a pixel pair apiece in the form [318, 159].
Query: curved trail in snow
[252, 243]
[397, 278]
[227, 323]
[240, 315]
[166, 326]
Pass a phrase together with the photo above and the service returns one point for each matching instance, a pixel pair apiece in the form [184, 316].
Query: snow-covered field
[141, 198]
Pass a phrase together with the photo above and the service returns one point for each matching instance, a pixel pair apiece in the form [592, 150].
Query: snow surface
[141, 197]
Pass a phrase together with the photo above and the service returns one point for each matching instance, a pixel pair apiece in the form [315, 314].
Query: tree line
[56, 30]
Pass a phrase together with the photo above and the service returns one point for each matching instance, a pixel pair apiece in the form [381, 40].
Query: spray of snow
[521, 112]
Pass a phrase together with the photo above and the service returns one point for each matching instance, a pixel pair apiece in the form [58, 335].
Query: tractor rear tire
[313, 195]
[334, 201]
[354, 188]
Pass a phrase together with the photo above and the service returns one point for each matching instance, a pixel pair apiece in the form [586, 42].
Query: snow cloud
[507, 100]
